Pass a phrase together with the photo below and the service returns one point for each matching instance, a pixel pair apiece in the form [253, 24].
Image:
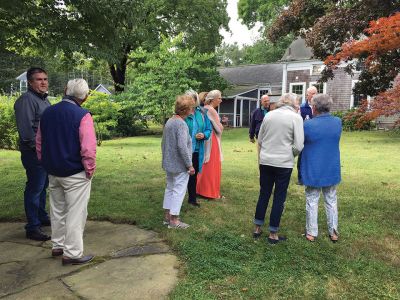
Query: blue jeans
[299, 178]
[270, 177]
[35, 191]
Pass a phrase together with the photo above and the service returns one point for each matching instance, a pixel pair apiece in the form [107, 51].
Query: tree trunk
[118, 72]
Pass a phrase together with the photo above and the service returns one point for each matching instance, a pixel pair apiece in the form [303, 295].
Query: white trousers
[69, 197]
[312, 198]
[175, 192]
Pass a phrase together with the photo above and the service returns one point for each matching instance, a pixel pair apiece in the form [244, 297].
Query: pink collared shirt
[87, 138]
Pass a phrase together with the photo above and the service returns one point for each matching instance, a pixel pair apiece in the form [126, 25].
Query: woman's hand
[191, 171]
[199, 136]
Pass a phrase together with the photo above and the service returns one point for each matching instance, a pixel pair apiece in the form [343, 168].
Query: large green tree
[261, 52]
[164, 73]
[110, 30]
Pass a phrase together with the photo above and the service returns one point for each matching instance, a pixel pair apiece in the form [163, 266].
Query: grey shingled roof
[298, 50]
[253, 74]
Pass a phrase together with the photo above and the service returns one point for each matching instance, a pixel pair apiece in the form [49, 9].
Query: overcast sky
[239, 32]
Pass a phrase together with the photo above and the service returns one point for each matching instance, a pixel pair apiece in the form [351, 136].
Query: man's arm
[252, 129]
[87, 137]
[25, 112]
[39, 143]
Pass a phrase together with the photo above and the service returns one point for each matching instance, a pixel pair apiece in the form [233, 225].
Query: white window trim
[353, 83]
[259, 94]
[303, 96]
[315, 82]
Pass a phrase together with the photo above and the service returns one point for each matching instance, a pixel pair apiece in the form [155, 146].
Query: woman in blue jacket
[200, 130]
[320, 166]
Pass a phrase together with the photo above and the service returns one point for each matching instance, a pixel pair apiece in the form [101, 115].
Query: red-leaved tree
[382, 38]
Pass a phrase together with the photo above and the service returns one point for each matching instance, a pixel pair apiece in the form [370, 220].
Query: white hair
[194, 95]
[77, 88]
[312, 89]
[322, 103]
[212, 95]
[288, 99]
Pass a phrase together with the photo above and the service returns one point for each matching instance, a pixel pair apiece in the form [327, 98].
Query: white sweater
[281, 137]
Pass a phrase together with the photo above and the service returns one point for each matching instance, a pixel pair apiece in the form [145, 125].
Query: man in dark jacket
[28, 110]
[257, 117]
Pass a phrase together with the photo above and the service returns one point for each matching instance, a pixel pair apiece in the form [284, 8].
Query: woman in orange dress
[209, 180]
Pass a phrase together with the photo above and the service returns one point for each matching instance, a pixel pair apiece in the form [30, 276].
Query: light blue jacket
[320, 159]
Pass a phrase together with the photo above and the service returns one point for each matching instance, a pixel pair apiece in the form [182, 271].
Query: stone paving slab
[16, 276]
[15, 232]
[128, 259]
[53, 289]
[148, 277]
[153, 248]
[20, 252]
[105, 238]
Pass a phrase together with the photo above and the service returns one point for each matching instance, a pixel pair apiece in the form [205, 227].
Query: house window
[356, 99]
[317, 69]
[299, 88]
[263, 92]
[23, 86]
[321, 87]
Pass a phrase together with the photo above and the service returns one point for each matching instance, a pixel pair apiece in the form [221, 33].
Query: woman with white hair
[280, 138]
[209, 180]
[200, 131]
[320, 166]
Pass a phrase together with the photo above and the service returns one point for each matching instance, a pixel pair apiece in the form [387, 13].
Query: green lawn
[219, 258]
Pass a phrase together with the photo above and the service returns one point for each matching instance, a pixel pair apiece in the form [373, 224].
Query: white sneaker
[180, 225]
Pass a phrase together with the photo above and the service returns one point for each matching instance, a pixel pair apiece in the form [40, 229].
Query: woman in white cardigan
[281, 138]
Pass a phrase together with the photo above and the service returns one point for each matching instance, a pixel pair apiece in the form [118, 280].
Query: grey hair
[194, 95]
[212, 95]
[288, 99]
[77, 88]
[322, 103]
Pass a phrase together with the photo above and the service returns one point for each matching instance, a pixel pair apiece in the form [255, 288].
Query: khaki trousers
[69, 197]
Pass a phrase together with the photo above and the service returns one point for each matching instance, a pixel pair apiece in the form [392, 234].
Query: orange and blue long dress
[209, 180]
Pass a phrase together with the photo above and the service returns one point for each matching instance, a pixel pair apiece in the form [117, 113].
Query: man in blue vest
[307, 114]
[66, 145]
[28, 110]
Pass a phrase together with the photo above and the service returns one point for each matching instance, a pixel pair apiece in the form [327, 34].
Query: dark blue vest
[61, 147]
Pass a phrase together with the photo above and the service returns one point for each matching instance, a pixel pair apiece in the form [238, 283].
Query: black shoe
[37, 235]
[280, 239]
[256, 235]
[57, 252]
[196, 204]
[45, 223]
[77, 261]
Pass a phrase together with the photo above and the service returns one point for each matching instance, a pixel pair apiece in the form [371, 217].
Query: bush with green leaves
[349, 120]
[105, 114]
[8, 127]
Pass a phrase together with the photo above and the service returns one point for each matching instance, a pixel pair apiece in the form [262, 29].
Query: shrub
[350, 120]
[8, 127]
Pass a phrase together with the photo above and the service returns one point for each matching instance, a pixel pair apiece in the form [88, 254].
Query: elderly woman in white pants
[177, 161]
[320, 166]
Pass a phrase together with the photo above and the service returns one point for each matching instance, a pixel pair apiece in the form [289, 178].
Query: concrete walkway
[130, 263]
